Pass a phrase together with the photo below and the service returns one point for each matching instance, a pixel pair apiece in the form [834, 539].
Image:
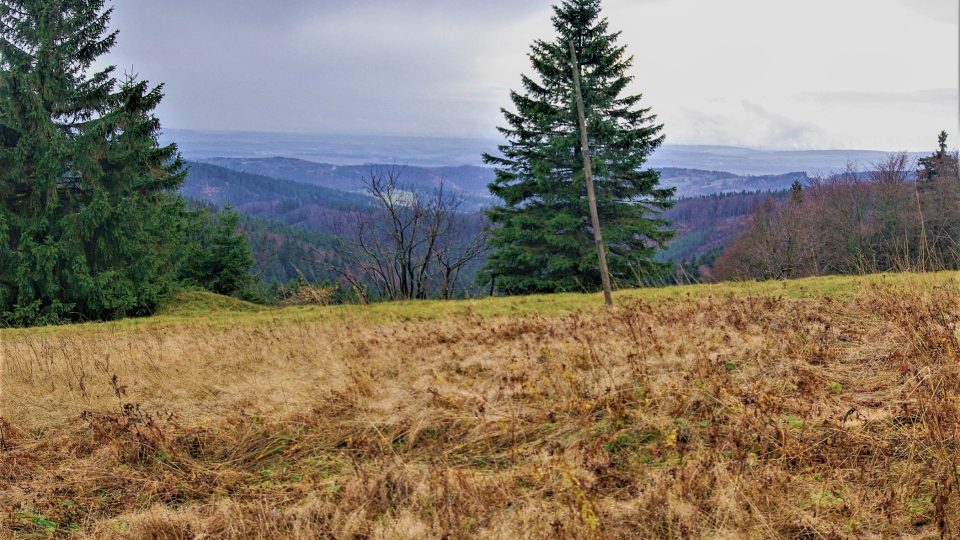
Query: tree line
[892, 218]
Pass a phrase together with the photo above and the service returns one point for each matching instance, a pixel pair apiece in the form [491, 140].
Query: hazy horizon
[954, 139]
[349, 149]
[875, 74]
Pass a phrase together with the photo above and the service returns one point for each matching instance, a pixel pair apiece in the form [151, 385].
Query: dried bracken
[738, 417]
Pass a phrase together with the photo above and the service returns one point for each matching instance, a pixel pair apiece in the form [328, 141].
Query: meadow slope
[820, 408]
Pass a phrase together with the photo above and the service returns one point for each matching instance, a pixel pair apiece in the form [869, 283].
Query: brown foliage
[854, 223]
[308, 294]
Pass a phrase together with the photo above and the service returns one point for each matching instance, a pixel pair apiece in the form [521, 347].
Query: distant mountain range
[746, 161]
[696, 182]
[335, 149]
[445, 152]
[472, 181]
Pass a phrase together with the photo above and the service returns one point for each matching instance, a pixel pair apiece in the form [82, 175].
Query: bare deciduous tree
[415, 244]
[886, 219]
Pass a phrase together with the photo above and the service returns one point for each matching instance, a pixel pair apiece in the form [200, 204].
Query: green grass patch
[202, 303]
[193, 307]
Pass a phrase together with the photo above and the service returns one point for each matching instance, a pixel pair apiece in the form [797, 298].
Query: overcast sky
[869, 74]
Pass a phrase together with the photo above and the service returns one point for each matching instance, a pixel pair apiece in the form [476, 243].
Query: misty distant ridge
[450, 152]
[331, 149]
[470, 180]
[746, 161]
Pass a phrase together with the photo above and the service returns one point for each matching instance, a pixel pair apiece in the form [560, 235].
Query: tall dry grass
[744, 417]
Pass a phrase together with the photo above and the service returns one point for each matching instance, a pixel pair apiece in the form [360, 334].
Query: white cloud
[748, 124]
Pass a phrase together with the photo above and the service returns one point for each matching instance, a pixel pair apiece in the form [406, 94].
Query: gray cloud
[444, 67]
[400, 66]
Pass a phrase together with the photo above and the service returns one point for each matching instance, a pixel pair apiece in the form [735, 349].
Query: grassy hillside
[822, 408]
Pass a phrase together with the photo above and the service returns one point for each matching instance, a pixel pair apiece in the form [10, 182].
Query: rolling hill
[709, 222]
[222, 186]
[470, 181]
[696, 182]
[473, 181]
[285, 201]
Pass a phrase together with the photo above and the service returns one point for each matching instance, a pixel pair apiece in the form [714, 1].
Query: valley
[711, 209]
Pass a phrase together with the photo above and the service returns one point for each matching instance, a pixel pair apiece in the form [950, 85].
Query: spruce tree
[218, 257]
[941, 162]
[541, 237]
[88, 216]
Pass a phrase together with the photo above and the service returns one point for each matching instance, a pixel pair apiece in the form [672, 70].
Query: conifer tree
[218, 257]
[796, 193]
[542, 238]
[88, 219]
[940, 163]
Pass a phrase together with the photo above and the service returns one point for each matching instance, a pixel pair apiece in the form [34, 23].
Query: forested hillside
[291, 234]
[296, 202]
[712, 209]
[471, 181]
[710, 222]
[293, 203]
[285, 253]
[287, 224]
[695, 182]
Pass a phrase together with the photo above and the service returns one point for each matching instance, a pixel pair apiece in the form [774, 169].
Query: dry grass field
[825, 408]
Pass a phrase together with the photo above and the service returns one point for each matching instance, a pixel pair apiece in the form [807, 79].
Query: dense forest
[704, 226]
[283, 201]
[709, 222]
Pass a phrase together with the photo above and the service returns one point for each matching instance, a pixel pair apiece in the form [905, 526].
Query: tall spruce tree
[542, 238]
[88, 219]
